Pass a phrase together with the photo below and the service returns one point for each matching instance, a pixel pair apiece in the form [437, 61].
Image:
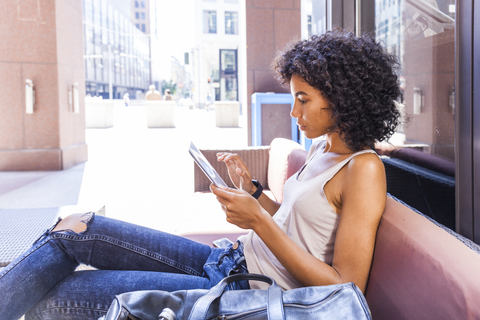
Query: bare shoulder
[365, 184]
[366, 165]
[361, 181]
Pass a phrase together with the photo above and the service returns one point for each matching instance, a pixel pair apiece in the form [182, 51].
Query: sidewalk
[140, 175]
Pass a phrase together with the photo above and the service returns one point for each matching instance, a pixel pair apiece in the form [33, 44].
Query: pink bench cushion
[420, 271]
[296, 160]
[284, 160]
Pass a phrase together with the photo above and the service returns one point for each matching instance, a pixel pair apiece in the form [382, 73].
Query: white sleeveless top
[305, 215]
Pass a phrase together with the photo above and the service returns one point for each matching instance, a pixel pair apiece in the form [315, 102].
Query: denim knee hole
[86, 218]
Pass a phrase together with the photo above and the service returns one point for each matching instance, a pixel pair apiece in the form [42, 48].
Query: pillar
[43, 42]
[271, 24]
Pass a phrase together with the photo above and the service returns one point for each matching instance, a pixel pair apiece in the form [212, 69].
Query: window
[137, 15]
[142, 4]
[228, 75]
[143, 27]
[137, 25]
[422, 35]
[209, 21]
[136, 4]
[231, 22]
[414, 29]
[142, 15]
[309, 25]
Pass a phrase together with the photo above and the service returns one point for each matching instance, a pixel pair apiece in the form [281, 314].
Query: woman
[323, 233]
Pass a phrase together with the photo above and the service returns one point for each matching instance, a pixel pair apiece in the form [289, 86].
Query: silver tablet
[206, 167]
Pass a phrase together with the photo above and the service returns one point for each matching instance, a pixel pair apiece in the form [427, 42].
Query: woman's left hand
[240, 207]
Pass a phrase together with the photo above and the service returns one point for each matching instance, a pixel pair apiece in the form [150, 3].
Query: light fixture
[417, 100]
[451, 102]
[29, 96]
[73, 98]
[76, 98]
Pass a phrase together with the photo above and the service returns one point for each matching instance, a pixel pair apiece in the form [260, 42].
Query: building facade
[219, 53]
[117, 53]
[140, 15]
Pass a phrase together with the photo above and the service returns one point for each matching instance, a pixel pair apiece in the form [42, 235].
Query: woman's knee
[76, 222]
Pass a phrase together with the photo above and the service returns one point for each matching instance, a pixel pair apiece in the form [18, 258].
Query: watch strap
[259, 190]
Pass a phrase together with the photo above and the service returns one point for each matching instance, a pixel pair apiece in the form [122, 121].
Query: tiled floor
[140, 175]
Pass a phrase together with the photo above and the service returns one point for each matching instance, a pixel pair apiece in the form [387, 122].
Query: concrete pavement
[140, 175]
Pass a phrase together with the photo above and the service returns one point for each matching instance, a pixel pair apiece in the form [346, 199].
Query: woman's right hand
[240, 208]
[238, 171]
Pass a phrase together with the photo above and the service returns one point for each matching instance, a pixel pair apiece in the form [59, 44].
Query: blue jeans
[43, 282]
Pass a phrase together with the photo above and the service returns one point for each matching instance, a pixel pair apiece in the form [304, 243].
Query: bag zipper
[260, 310]
[239, 315]
[297, 305]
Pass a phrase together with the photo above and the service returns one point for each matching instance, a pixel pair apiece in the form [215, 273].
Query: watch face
[206, 167]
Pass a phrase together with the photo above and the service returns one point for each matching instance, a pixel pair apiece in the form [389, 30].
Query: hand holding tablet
[206, 167]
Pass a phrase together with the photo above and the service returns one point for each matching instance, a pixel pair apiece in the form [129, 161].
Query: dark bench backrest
[425, 160]
[429, 192]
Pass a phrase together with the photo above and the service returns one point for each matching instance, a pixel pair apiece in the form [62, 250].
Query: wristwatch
[259, 190]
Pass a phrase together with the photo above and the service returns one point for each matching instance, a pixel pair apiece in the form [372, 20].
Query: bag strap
[274, 297]
[275, 302]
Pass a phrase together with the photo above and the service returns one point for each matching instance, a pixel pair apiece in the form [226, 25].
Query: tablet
[206, 167]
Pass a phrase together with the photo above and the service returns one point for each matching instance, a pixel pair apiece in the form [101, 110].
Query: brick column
[43, 42]
[271, 24]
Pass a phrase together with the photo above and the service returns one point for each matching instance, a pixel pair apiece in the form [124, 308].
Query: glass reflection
[422, 34]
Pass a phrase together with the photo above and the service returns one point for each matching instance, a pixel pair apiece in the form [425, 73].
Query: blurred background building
[140, 13]
[219, 52]
[117, 48]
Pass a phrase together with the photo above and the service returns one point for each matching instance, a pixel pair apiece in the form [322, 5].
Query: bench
[424, 181]
[20, 228]
[420, 268]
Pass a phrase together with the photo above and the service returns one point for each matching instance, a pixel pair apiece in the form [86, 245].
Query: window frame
[206, 23]
[235, 27]
[467, 119]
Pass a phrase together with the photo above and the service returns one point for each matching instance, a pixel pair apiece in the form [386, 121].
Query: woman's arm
[362, 197]
[268, 204]
[242, 179]
[363, 200]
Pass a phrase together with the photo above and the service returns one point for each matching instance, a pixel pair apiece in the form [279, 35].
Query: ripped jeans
[43, 282]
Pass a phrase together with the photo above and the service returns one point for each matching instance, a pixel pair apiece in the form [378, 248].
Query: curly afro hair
[356, 75]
